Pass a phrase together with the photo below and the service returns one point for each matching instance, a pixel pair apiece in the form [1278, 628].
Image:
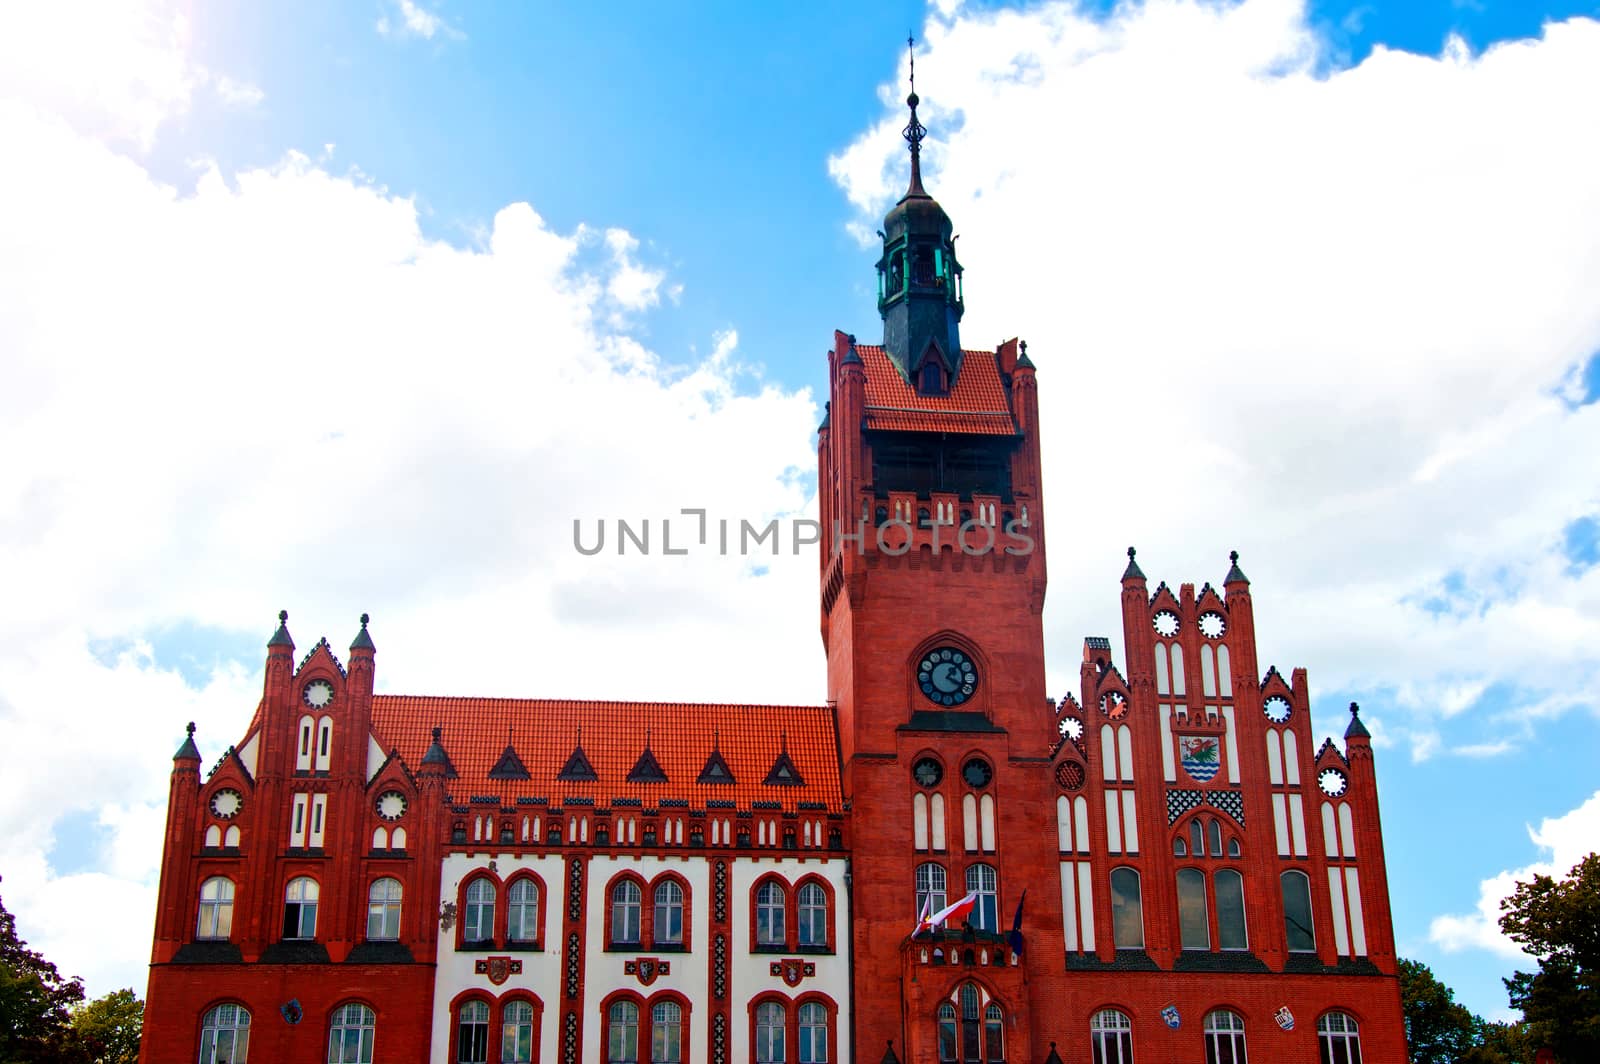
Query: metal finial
[1355, 710]
[191, 729]
[283, 616]
[915, 130]
[1233, 556]
[1131, 553]
[437, 731]
[364, 619]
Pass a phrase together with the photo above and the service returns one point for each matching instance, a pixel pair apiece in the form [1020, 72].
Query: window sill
[515, 946]
[475, 947]
[815, 951]
[771, 947]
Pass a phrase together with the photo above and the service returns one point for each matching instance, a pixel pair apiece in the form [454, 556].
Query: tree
[1558, 921]
[1439, 1029]
[108, 1028]
[34, 1002]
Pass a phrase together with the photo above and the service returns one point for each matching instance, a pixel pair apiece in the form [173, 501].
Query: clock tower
[932, 586]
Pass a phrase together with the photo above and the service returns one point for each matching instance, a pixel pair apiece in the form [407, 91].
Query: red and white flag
[922, 917]
[956, 912]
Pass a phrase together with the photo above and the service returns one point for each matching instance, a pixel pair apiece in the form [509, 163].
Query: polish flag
[922, 917]
[956, 912]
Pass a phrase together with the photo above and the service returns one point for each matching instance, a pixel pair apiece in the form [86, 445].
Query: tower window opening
[932, 378]
[922, 268]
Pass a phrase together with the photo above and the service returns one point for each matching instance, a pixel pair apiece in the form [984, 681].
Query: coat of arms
[793, 969]
[498, 969]
[645, 969]
[1200, 756]
[1170, 1016]
[1284, 1017]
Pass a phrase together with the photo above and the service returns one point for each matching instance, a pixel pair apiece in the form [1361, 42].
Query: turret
[183, 793]
[919, 279]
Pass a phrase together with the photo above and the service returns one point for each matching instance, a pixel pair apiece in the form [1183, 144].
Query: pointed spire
[188, 751]
[1235, 574]
[1023, 361]
[783, 772]
[437, 757]
[363, 641]
[280, 638]
[827, 415]
[1132, 572]
[915, 130]
[1356, 729]
[577, 769]
[510, 766]
[716, 770]
[647, 769]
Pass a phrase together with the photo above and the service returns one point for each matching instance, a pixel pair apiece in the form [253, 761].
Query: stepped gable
[975, 404]
[746, 737]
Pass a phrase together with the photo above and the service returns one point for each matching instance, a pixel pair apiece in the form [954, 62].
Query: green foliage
[1438, 1028]
[108, 1028]
[1558, 921]
[34, 1003]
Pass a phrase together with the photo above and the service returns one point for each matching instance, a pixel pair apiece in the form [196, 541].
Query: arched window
[947, 1033]
[668, 927]
[971, 1035]
[769, 1033]
[383, 910]
[1111, 1036]
[932, 378]
[478, 924]
[666, 1033]
[300, 908]
[981, 881]
[1192, 922]
[813, 1021]
[1197, 838]
[225, 1035]
[622, 1033]
[1297, 925]
[1229, 887]
[472, 1033]
[1339, 1039]
[1179, 847]
[1233, 848]
[1214, 836]
[516, 1033]
[994, 1035]
[626, 903]
[930, 889]
[1127, 909]
[1224, 1034]
[769, 915]
[522, 911]
[216, 908]
[350, 1037]
[812, 910]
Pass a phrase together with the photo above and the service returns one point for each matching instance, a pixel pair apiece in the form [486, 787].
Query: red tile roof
[681, 738]
[977, 403]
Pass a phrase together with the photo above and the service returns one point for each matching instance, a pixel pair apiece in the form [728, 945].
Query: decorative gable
[647, 769]
[716, 770]
[509, 767]
[577, 768]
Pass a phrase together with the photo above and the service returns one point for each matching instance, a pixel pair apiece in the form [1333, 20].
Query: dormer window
[932, 378]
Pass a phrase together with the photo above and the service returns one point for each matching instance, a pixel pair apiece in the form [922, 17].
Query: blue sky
[1298, 293]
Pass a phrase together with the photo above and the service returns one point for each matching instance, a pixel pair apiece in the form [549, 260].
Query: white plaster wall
[750, 973]
[541, 972]
[691, 969]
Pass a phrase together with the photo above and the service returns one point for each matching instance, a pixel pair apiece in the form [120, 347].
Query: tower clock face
[947, 676]
[1276, 708]
[927, 772]
[318, 694]
[1332, 781]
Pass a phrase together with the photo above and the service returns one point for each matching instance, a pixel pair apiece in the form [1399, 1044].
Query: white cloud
[413, 20]
[1566, 840]
[238, 93]
[285, 395]
[1322, 316]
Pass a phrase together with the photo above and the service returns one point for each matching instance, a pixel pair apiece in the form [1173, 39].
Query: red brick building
[1162, 866]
